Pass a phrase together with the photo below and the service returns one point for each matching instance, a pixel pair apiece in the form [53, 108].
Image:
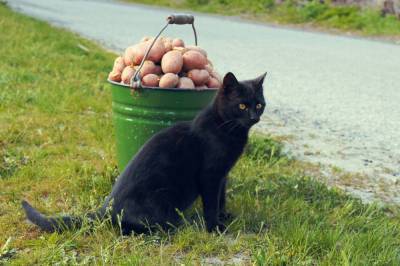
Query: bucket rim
[161, 89]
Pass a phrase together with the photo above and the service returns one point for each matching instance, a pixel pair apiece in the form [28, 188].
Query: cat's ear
[229, 82]
[258, 81]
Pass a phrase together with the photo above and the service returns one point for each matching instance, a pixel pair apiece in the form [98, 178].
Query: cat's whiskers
[233, 127]
[226, 123]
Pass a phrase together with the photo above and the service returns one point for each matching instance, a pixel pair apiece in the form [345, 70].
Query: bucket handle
[179, 19]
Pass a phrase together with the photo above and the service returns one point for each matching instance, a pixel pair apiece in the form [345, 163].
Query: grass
[365, 21]
[57, 151]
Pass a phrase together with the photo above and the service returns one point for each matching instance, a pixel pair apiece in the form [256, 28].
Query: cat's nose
[254, 119]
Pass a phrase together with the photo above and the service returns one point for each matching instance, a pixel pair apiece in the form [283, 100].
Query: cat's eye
[259, 105]
[242, 106]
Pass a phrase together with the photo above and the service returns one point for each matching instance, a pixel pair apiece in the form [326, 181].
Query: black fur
[177, 165]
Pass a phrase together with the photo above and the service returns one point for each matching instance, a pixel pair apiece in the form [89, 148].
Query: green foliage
[197, 2]
[57, 151]
[261, 148]
[313, 10]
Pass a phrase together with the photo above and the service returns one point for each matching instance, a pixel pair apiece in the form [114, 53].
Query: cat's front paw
[218, 227]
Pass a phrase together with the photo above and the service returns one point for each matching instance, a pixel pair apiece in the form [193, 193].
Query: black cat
[177, 165]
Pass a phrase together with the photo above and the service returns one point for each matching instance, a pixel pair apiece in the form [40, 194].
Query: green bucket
[140, 112]
[140, 115]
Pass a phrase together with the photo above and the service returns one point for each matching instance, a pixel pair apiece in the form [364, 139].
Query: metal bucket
[140, 112]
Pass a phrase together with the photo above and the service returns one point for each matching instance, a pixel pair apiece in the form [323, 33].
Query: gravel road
[336, 98]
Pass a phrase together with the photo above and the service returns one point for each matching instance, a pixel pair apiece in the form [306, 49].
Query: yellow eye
[259, 105]
[242, 106]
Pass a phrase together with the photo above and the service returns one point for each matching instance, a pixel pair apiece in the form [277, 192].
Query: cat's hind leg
[146, 218]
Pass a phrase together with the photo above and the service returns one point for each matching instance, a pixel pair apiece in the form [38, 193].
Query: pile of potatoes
[170, 64]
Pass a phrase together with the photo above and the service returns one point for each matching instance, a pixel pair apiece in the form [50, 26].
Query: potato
[199, 76]
[127, 74]
[169, 80]
[115, 76]
[194, 60]
[185, 83]
[155, 55]
[172, 62]
[196, 48]
[119, 64]
[151, 80]
[167, 44]
[213, 83]
[147, 68]
[214, 74]
[209, 68]
[139, 52]
[157, 70]
[129, 55]
[182, 50]
[178, 43]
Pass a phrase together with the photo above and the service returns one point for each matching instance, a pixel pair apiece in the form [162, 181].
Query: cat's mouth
[249, 122]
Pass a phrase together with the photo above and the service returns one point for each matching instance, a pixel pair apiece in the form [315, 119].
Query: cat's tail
[55, 224]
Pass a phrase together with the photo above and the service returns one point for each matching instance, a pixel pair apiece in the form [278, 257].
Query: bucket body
[138, 116]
